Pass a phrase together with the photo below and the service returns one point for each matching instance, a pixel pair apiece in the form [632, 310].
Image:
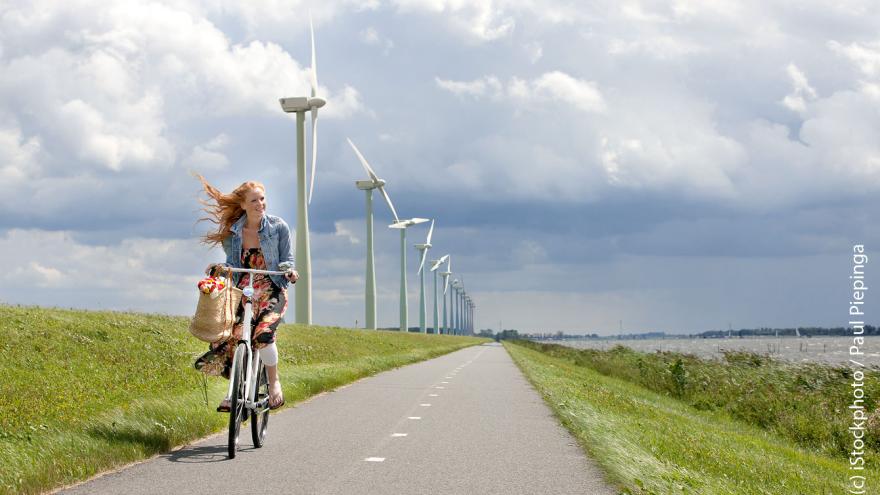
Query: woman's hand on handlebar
[210, 269]
[292, 276]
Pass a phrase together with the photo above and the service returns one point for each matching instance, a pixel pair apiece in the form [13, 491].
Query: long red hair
[224, 209]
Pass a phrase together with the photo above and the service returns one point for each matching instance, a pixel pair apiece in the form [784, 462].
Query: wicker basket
[215, 316]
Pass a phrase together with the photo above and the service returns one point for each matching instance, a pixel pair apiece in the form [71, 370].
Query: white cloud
[555, 85]
[135, 273]
[561, 86]
[343, 230]
[371, 36]
[110, 92]
[209, 155]
[480, 20]
[485, 86]
[802, 92]
[534, 50]
[866, 56]
[18, 156]
[662, 47]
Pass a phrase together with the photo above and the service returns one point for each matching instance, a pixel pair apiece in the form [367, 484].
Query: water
[831, 350]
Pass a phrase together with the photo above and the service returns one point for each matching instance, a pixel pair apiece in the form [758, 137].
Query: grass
[653, 443]
[804, 402]
[84, 392]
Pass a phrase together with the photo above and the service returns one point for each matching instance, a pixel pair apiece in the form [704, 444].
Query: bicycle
[248, 384]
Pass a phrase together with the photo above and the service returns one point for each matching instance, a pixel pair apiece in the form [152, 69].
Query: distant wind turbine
[402, 225]
[299, 106]
[445, 276]
[456, 311]
[434, 267]
[423, 248]
[367, 186]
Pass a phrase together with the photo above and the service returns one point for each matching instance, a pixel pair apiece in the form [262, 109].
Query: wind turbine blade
[364, 163]
[438, 263]
[430, 231]
[449, 266]
[418, 220]
[314, 151]
[314, 65]
[422, 263]
[388, 200]
[446, 287]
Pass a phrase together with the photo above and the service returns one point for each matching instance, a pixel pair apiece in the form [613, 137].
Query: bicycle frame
[250, 390]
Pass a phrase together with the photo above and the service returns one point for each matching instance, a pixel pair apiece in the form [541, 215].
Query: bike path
[467, 422]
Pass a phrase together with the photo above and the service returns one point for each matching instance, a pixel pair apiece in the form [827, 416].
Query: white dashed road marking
[398, 434]
[375, 459]
[414, 417]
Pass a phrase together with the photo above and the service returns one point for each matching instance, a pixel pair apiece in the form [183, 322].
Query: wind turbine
[367, 186]
[445, 276]
[423, 248]
[402, 225]
[434, 267]
[300, 105]
[456, 311]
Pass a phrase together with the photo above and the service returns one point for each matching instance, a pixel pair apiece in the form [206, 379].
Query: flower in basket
[212, 285]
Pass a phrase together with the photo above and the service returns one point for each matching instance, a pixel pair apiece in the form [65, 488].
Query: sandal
[279, 404]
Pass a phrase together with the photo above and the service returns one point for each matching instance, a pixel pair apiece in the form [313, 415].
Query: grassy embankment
[707, 427]
[83, 392]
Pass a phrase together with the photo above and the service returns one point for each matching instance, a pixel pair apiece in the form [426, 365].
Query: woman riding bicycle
[251, 238]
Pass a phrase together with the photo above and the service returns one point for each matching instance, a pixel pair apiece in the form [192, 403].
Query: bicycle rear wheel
[237, 399]
[260, 413]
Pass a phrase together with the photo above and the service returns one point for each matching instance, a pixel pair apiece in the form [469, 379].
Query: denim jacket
[274, 243]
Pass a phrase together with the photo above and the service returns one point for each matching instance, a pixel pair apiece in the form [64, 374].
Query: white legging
[269, 355]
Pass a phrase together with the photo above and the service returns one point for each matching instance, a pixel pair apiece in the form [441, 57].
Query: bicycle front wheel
[260, 413]
[237, 399]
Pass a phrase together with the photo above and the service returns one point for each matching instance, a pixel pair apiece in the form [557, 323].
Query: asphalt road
[464, 423]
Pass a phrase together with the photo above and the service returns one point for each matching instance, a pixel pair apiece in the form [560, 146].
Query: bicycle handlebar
[249, 270]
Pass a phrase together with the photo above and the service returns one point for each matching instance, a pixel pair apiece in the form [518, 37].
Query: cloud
[148, 274]
[865, 56]
[561, 86]
[555, 85]
[480, 20]
[342, 230]
[371, 36]
[796, 100]
[19, 156]
[485, 86]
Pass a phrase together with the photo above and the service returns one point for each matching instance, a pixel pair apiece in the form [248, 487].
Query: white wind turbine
[434, 267]
[453, 300]
[403, 225]
[300, 105]
[423, 248]
[445, 276]
[367, 186]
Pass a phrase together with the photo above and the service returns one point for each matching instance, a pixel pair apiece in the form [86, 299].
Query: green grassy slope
[83, 392]
[651, 443]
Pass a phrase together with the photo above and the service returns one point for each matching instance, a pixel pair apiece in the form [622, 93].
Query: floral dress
[269, 305]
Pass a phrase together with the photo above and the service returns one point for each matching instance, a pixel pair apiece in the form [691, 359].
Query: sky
[592, 167]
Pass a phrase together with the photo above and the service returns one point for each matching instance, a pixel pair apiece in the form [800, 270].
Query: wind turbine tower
[445, 276]
[300, 105]
[435, 265]
[423, 248]
[402, 225]
[367, 186]
[456, 312]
